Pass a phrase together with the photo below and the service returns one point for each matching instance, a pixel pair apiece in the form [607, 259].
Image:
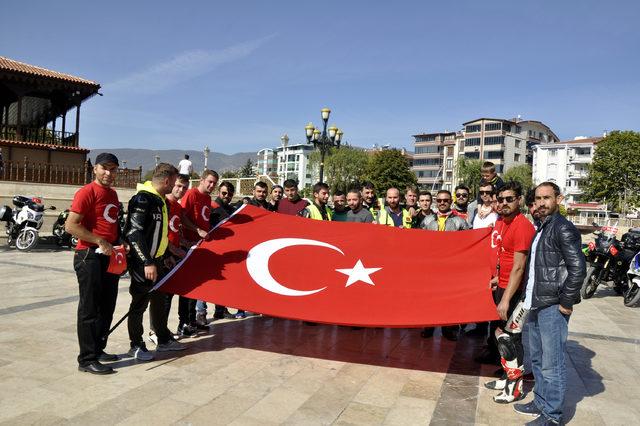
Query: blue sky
[237, 75]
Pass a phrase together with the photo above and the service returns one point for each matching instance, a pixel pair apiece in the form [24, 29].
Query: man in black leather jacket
[556, 269]
[146, 230]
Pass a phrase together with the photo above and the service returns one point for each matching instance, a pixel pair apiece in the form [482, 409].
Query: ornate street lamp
[157, 158]
[325, 140]
[206, 152]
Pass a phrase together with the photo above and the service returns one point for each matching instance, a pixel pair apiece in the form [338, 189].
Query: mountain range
[146, 158]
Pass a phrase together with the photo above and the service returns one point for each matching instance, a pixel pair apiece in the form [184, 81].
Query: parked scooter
[607, 261]
[23, 221]
[63, 238]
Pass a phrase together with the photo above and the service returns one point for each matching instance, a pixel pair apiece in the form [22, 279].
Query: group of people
[538, 264]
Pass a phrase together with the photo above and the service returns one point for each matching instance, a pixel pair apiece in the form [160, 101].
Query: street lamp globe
[157, 158]
[309, 128]
[325, 113]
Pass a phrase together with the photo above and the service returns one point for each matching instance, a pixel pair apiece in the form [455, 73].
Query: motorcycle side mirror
[52, 208]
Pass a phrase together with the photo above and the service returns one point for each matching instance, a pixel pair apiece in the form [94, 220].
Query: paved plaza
[267, 371]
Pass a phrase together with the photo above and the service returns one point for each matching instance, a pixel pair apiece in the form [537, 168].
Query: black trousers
[141, 298]
[98, 291]
[186, 311]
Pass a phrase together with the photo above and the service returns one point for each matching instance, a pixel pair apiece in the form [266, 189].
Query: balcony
[38, 135]
[580, 159]
[578, 174]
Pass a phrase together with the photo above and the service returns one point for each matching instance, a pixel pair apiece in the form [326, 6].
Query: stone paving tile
[272, 371]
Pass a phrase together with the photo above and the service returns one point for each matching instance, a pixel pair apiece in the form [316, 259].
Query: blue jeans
[548, 330]
[201, 306]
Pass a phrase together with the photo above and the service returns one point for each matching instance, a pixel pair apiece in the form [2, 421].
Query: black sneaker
[528, 409]
[95, 367]
[488, 357]
[199, 327]
[187, 331]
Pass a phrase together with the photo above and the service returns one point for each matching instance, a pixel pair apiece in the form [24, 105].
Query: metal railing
[243, 186]
[38, 135]
[65, 174]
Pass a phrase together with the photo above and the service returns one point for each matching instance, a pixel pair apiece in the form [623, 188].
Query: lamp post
[285, 141]
[157, 158]
[323, 140]
[124, 164]
[206, 152]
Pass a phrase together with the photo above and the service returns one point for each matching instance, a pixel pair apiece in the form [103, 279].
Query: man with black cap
[93, 219]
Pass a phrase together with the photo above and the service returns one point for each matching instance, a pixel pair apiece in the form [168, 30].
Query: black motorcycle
[607, 261]
[62, 237]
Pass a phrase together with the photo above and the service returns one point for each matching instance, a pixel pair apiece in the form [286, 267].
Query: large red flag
[339, 273]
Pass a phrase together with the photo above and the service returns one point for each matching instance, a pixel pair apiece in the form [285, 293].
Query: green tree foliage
[614, 175]
[521, 174]
[468, 172]
[345, 167]
[229, 174]
[247, 169]
[389, 168]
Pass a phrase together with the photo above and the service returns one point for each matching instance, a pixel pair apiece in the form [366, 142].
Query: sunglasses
[443, 200]
[461, 195]
[485, 192]
[509, 199]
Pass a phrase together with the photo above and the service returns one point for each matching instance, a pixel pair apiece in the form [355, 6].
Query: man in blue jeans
[556, 269]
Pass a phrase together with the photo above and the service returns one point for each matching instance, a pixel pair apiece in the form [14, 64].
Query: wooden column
[64, 123]
[19, 120]
[78, 125]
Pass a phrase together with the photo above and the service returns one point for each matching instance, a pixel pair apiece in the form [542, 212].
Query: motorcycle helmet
[5, 213]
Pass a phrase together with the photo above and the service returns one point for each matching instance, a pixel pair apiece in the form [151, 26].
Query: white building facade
[289, 161]
[566, 164]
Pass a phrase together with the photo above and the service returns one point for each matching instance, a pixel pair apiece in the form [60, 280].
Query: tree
[389, 168]
[343, 168]
[468, 172]
[521, 174]
[247, 169]
[229, 174]
[614, 173]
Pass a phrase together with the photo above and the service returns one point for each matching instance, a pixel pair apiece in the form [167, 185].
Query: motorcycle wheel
[632, 295]
[590, 284]
[27, 239]
[73, 241]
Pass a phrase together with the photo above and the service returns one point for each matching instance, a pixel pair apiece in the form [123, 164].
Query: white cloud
[185, 66]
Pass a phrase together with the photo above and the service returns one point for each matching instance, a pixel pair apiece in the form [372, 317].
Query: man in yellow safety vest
[318, 210]
[392, 214]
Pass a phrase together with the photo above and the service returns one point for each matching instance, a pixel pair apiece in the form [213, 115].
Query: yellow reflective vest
[385, 219]
[314, 212]
[374, 211]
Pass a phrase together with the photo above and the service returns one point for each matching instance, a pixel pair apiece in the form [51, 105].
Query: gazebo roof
[18, 67]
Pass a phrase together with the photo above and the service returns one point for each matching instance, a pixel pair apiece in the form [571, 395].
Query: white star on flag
[358, 273]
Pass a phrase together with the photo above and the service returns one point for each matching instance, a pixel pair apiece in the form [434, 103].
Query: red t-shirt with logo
[508, 238]
[196, 207]
[99, 207]
[175, 212]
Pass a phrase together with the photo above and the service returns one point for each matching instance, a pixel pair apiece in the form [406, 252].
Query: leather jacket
[143, 229]
[220, 211]
[453, 223]
[560, 266]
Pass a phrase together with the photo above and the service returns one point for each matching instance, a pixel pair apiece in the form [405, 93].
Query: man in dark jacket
[147, 231]
[556, 269]
[259, 199]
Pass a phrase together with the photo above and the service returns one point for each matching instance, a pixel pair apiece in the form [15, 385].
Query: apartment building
[506, 143]
[565, 163]
[288, 162]
[433, 158]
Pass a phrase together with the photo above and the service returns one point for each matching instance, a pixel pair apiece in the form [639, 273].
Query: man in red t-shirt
[291, 204]
[93, 219]
[196, 208]
[511, 239]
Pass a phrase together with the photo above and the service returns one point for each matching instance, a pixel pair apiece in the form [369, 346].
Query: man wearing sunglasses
[555, 272]
[461, 206]
[511, 239]
[444, 220]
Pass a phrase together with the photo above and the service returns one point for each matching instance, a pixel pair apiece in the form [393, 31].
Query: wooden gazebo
[38, 142]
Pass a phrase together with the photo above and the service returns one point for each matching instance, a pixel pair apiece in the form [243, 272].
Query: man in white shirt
[185, 167]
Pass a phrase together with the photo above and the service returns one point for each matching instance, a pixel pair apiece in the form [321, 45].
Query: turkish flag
[339, 273]
[117, 261]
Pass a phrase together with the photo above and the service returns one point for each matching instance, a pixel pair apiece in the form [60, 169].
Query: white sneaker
[141, 353]
[153, 338]
[171, 345]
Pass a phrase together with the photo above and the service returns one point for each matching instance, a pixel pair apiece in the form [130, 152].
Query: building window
[472, 155]
[493, 155]
[449, 163]
[494, 140]
[516, 158]
[518, 129]
[506, 127]
[427, 162]
[425, 138]
[472, 142]
[474, 128]
[432, 149]
[492, 126]
[499, 168]
[518, 143]
[450, 151]
[553, 152]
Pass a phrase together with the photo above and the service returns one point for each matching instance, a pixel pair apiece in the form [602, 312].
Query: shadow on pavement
[591, 382]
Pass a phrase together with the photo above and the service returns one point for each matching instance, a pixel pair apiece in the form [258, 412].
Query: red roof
[4, 142]
[595, 206]
[22, 68]
[592, 140]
